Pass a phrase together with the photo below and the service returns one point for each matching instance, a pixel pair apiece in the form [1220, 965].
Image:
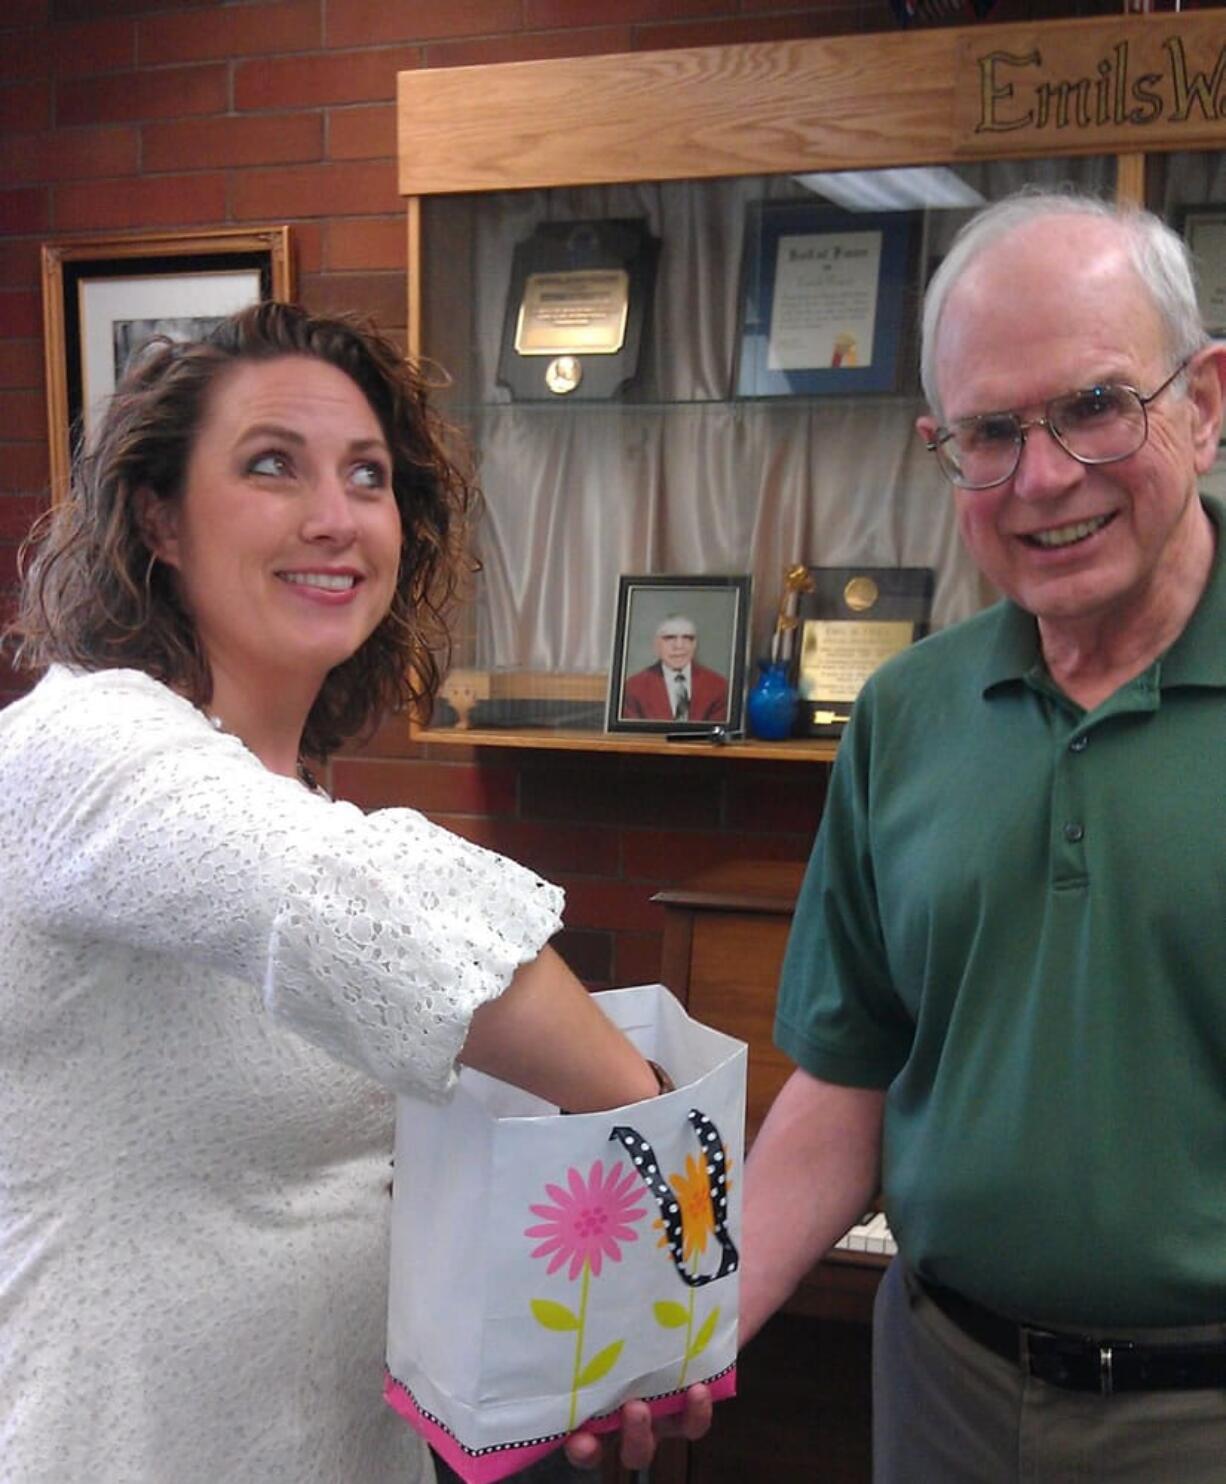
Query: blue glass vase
[771, 707]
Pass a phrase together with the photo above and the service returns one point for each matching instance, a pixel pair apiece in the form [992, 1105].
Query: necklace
[302, 772]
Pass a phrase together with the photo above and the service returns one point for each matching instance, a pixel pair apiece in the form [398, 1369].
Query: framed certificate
[823, 293]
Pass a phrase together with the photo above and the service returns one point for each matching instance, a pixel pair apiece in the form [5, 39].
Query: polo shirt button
[1073, 832]
[1079, 744]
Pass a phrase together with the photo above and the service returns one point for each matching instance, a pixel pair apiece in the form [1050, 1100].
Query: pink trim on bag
[496, 1463]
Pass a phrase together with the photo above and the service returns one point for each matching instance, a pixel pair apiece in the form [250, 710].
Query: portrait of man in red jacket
[676, 687]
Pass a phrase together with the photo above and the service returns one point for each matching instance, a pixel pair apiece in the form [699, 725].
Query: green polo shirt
[1014, 920]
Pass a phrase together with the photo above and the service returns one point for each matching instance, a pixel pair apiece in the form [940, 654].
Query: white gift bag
[546, 1268]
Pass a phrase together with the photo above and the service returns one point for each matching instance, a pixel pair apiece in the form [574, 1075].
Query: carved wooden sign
[1157, 82]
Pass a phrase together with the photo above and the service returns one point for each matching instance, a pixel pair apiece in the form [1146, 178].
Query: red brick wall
[610, 828]
[120, 115]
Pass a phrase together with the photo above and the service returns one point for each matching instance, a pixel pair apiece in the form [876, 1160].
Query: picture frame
[823, 299]
[642, 693]
[104, 296]
[1205, 234]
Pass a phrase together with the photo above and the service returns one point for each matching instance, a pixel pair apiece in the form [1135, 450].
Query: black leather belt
[1083, 1362]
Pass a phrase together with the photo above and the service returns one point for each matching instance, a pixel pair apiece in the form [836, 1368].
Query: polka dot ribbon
[645, 1162]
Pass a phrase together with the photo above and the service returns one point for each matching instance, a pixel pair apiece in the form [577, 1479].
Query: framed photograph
[823, 299]
[1205, 233]
[679, 654]
[104, 297]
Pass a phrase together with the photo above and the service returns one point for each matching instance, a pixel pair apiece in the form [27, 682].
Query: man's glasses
[1098, 425]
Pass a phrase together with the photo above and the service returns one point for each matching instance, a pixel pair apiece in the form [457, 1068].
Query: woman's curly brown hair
[95, 596]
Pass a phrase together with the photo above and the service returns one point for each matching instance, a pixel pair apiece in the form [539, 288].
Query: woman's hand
[639, 1432]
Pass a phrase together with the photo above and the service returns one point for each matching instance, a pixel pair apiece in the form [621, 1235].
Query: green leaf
[601, 1363]
[703, 1338]
[553, 1316]
[671, 1315]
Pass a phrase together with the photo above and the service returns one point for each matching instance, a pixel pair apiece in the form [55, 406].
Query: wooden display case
[1124, 88]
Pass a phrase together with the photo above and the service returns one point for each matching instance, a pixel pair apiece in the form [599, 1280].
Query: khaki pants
[948, 1411]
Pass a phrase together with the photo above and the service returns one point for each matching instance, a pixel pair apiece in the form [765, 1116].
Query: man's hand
[639, 1434]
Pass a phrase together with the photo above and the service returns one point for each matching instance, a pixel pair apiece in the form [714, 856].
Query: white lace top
[203, 967]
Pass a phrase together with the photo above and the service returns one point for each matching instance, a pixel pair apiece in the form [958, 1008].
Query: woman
[206, 960]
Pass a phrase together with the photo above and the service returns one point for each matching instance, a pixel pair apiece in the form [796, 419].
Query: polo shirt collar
[1013, 652]
[1197, 657]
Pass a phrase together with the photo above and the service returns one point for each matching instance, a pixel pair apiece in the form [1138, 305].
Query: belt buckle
[1059, 1359]
[1107, 1353]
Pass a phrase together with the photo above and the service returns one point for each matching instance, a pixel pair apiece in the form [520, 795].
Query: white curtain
[679, 477]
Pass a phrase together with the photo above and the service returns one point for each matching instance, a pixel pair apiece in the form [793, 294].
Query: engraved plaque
[851, 620]
[577, 309]
[837, 657]
[581, 311]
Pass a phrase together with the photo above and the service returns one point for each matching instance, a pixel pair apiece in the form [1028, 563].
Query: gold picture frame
[103, 295]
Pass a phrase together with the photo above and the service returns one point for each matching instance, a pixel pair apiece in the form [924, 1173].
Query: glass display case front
[1188, 189]
[761, 420]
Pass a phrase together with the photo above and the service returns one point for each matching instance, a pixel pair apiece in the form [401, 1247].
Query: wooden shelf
[796, 750]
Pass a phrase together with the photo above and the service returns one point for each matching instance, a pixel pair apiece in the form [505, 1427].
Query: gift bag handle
[715, 1159]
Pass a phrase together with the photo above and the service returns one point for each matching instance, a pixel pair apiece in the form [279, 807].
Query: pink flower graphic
[586, 1224]
[588, 1221]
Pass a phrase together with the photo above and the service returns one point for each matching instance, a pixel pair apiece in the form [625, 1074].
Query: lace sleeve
[126, 818]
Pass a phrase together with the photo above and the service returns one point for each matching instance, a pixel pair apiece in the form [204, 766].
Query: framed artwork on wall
[105, 297]
[679, 655]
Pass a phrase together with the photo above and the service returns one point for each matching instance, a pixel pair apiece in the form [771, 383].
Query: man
[1006, 982]
[676, 687]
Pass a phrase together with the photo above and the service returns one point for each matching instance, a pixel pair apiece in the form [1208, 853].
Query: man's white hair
[1159, 256]
[677, 618]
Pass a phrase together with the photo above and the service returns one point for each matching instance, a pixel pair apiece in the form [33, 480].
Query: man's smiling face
[1053, 307]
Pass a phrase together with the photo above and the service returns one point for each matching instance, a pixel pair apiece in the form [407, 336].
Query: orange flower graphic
[693, 1191]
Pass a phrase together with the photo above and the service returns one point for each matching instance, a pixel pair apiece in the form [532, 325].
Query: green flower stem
[574, 1380]
[689, 1326]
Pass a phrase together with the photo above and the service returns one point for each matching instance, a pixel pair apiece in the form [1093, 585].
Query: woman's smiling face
[286, 539]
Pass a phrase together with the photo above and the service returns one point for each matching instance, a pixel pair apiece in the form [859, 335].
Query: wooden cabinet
[724, 938]
[725, 931]
[806, 1376]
